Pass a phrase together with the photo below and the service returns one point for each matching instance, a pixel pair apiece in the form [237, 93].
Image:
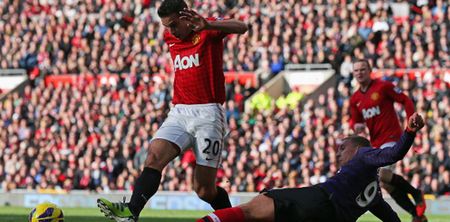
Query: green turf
[15, 214]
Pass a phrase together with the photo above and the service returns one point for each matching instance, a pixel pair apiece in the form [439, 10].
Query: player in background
[342, 198]
[197, 118]
[372, 105]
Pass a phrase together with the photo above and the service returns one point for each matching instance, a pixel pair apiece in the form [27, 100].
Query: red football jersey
[198, 65]
[375, 107]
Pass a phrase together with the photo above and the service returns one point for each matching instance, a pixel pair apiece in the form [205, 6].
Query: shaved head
[358, 141]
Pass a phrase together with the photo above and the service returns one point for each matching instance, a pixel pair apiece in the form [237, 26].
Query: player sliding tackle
[198, 119]
[343, 197]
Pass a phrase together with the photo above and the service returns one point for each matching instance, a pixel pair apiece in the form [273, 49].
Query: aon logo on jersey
[371, 112]
[186, 62]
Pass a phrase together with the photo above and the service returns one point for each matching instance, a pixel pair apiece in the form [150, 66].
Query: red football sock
[234, 214]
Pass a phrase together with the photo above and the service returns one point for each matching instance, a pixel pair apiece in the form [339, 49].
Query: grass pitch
[15, 214]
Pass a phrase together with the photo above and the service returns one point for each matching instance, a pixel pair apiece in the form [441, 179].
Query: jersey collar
[368, 87]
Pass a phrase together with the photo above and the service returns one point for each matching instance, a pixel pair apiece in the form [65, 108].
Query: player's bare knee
[160, 154]
[260, 208]
[152, 161]
[385, 175]
[387, 187]
[206, 193]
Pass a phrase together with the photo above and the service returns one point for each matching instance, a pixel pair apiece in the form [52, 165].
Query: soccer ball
[46, 212]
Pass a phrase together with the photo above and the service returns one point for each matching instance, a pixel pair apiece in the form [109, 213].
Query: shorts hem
[197, 105]
[215, 165]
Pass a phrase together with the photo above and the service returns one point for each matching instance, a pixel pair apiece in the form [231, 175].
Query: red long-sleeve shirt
[375, 108]
[198, 62]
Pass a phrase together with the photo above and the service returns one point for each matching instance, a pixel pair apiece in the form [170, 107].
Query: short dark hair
[169, 7]
[364, 61]
[358, 141]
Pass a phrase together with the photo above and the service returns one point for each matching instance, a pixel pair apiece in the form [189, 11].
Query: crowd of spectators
[97, 36]
[93, 136]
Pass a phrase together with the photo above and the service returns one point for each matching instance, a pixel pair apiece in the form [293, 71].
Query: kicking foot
[420, 219]
[118, 212]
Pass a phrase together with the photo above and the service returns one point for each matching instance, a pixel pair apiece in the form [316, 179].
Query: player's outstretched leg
[204, 186]
[161, 152]
[260, 208]
[234, 214]
[399, 188]
[402, 199]
[420, 204]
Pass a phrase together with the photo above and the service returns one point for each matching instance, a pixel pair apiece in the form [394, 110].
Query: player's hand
[195, 21]
[415, 123]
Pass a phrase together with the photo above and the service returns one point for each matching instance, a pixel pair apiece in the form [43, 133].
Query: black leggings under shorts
[302, 205]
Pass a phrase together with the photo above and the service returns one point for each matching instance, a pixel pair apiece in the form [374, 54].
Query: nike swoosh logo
[170, 45]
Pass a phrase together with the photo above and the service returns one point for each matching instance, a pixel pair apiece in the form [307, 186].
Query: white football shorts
[202, 127]
[388, 145]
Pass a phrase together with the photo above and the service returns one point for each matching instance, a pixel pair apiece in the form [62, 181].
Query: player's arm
[356, 118]
[384, 212]
[398, 96]
[390, 155]
[199, 23]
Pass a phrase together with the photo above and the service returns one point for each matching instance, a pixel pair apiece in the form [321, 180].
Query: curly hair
[169, 7]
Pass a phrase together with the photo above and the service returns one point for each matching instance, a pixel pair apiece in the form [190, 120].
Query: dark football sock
[146, 186]
[402, 199]
[221, 200]
[400, 183]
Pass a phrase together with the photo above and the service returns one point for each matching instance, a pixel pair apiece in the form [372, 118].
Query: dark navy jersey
[355, 188]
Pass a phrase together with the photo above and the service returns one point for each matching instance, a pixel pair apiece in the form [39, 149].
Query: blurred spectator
[294, 97]
[126, 36]
[261, 102]
[94, 137]
[346, 69]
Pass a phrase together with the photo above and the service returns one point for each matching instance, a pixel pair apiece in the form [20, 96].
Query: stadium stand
[125, 36]
[94, 136]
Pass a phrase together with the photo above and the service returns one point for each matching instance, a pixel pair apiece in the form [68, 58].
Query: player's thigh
[208, 148]
[209, 132]
[385, 174]
[160, 153]
[261, 209]
[208, 126]
[170, 139]
[302, 204]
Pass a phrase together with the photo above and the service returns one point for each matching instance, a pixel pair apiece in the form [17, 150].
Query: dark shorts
[302, 204]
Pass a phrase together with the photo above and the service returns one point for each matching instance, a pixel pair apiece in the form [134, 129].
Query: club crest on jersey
[186, 62]
[375, 96]
[196, 39]
[371, 112]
